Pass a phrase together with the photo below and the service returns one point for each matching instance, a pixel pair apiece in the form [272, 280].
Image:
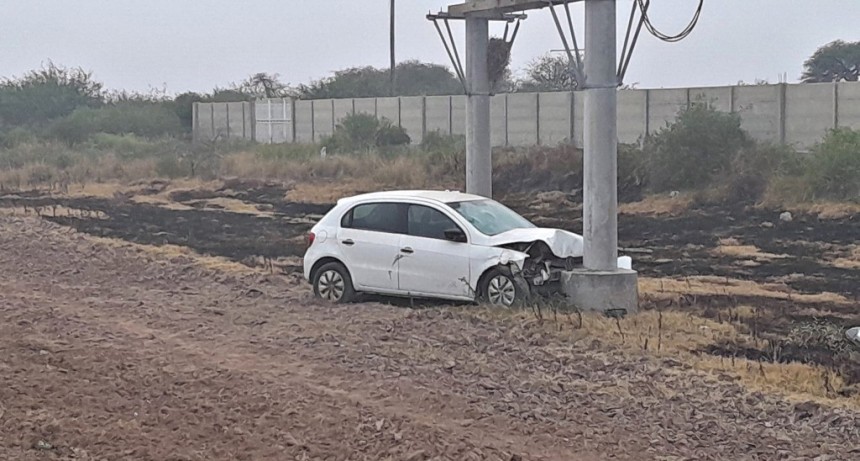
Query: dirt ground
[115, 347]
[110, 352]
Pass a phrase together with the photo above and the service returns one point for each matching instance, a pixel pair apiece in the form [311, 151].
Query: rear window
[378, 217]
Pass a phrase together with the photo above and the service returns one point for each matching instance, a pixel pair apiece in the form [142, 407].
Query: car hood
[562, 243]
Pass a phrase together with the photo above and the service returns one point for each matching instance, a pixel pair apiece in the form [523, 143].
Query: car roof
[440, 196]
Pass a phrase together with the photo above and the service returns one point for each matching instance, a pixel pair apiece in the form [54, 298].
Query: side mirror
[455, 235]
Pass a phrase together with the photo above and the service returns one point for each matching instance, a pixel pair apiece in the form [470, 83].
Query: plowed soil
[108, 351]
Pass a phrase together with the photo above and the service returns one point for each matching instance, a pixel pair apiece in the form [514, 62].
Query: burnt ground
[680, 246]
[110, 352]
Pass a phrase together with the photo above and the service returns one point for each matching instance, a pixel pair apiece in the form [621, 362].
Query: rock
[43, 445]
[786, 216]
[674, 193]
[767, 224]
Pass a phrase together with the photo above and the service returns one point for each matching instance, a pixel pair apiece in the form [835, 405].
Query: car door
[369, 239]
[430, 264]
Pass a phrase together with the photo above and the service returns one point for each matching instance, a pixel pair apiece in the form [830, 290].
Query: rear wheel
[333, 283]
[499, 288]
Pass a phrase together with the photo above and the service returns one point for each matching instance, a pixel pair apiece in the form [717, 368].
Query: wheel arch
[323, 261]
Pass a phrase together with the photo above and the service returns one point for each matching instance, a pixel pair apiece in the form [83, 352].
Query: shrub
[388, 135]
[363, 132]
[754, 168]
[169, 166]
[833, 170]
[694, 150]
[436, 141]
[76, 127]
[17, 136]
[148, 120]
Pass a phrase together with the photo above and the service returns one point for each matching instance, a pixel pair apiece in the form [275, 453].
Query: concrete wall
[499, 120]
[760, 108]
[632, 115]
[304, 122]
[663, 106]
[848, 111]
[438, 114]
[458, 115]
[793, 114]
[223, 121]
[554, 123]
[412, 117]
[523, 119]
[805, 121]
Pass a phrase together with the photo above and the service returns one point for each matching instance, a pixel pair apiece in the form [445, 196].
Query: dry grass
[667, 288]
[678, 335]
[847, 259]
[732, 247]
[663, 205]
[822, 210]
[173, 251]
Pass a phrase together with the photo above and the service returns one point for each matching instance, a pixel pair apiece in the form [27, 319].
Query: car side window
[379, 217]
[423, 221]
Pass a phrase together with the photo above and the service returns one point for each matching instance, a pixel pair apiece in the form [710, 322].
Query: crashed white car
[434, 244]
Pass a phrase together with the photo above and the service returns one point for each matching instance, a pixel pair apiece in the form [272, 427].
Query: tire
[332, 283]
[500, 288]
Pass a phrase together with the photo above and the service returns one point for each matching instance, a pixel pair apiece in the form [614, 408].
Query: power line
[662, 36]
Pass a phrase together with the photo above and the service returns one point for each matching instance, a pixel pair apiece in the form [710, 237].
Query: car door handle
[407, 250]
[348, 242]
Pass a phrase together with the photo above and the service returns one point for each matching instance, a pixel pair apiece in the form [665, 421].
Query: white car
[434, 244]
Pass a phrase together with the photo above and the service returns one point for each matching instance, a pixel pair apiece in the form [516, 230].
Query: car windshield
[490, 217]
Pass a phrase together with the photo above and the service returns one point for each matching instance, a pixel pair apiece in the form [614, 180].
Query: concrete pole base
[613, 292]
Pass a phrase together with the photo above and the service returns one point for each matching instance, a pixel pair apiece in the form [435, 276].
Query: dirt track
[108, 352]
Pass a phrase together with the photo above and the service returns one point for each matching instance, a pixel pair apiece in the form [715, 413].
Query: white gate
[274, 120]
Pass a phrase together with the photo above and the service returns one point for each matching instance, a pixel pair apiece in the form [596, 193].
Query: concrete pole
[600, 207]
[479, 163]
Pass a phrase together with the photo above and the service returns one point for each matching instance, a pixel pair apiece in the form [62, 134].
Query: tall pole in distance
[479, 163]
[600, 207]
[392, 40]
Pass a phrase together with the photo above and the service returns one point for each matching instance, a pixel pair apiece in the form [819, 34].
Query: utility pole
[393, 60]
[479, 162]
[600, 189]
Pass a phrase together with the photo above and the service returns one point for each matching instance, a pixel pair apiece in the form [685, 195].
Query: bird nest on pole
[498, 59]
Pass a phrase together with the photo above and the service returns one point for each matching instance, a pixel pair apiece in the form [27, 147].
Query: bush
[76, 127]
[363, 132]
[754, 168]
[694, 150]
[170, 167]
[436, 141]
[388, 135]
[833, 170]
[17, 136]
[148, 120]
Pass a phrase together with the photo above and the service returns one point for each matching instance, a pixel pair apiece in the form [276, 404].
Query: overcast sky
[197, 45]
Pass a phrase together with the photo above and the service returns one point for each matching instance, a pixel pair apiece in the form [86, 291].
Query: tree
[835, 62]
[413, 78]
[263, 85]
[549, 73]
[46, 94]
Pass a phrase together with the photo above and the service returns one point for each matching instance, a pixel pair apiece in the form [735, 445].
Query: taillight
[311, 238]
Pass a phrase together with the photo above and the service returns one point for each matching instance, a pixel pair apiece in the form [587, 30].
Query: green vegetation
[835, 62]
[834, 168]
[58, 125]
[364, 132]
[412, 78]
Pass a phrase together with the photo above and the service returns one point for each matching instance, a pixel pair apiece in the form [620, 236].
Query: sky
[185, 45]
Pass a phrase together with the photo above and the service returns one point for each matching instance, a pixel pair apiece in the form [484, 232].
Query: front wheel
[499, 288]
[333, 283]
